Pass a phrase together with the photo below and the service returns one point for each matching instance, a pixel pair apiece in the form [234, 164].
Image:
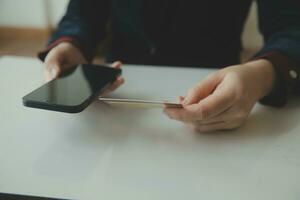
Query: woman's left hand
[224, 99]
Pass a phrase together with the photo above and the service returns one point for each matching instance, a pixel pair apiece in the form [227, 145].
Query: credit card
[140, 103]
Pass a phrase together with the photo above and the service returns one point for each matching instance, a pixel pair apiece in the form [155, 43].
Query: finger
[206, 109]
[225, 116]
[210, 127]
[218, 126]
[182, 114]
[214, 105]
[222, 99]
[180, 99]
[188, 113]
[234, 115]
[115, 85]
[202, 90]
[53, 64]
[117, 64]
[52, 71]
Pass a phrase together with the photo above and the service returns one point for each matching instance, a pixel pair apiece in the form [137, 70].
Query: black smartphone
[74, 90]
[7, 196]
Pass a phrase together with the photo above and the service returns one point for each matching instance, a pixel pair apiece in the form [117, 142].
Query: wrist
[265, 75]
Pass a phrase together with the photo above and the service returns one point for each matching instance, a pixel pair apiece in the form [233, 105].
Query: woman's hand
[224, 99]
[62, 57]
[65, 56]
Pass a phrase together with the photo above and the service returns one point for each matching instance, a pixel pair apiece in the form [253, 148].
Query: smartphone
[7, 196]
[74, 90]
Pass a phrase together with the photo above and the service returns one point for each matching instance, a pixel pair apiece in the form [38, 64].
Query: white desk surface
[124, 153]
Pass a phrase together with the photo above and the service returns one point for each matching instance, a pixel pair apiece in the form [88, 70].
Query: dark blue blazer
[176, 32]
[204, 33]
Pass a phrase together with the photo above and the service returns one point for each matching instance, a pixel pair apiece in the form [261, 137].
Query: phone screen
[74, 90]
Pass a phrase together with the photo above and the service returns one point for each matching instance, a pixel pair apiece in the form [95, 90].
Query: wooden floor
[27, 42]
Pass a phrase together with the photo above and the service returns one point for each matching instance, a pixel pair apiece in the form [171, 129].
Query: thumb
[117, 64]
[52, 71]
[202, 89]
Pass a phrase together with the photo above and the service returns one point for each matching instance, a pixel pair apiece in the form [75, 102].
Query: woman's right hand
[65, 56]
[62, 57]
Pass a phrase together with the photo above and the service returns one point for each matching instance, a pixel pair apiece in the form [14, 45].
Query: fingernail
[53, 72]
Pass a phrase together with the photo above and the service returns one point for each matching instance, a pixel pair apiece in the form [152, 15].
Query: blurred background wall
[31, 13]
[25, 26]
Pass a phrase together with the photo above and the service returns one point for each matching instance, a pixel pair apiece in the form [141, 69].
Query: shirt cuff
[287, 77]
[42, 54]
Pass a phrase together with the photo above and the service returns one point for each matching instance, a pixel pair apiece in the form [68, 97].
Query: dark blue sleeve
[279, 22]
[85, 21]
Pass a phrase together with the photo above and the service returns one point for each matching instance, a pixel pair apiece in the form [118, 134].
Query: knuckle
[239, 117]
[236, 123]
[234, 126]
[203, 129]
[238, 113]
[196, 127]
